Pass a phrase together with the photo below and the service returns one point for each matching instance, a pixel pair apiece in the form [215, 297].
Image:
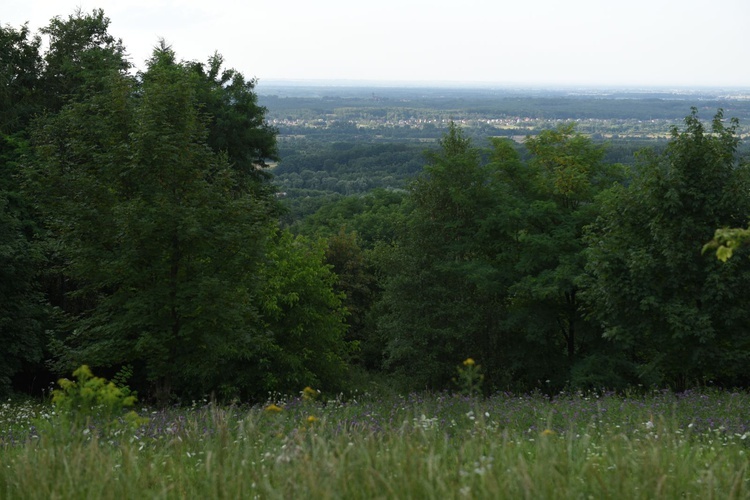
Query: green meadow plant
[93, 400]
[420, 445]
[470, 377]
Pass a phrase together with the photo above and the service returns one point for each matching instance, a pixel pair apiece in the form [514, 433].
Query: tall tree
[22, 312]
[236, 122]
[20, 68]
[682, 316]
[23, 315]
[355, 281]
[161, 234]
[81, 54]
[443, 294]
[555, 197]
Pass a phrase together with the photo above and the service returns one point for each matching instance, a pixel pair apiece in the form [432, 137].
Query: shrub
[91, 398]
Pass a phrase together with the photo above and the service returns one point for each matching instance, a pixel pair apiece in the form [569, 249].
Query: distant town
[298, 109]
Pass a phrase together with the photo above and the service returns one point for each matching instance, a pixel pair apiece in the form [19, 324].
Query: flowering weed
[417, 445]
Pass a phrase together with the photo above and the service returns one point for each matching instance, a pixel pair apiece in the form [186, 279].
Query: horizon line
[353, 82]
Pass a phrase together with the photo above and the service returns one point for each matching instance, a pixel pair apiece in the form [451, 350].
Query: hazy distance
[639, 43]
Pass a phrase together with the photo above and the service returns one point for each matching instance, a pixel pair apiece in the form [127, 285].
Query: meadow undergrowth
[662, 445]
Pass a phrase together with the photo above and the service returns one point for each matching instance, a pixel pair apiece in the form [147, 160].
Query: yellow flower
[469, 362]
[312, 419]
[548, 432]
[272, 408]
[308, 393]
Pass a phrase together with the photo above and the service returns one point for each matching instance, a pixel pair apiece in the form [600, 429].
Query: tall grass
[664, 445]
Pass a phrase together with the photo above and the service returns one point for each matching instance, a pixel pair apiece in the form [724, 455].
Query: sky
[547, 43]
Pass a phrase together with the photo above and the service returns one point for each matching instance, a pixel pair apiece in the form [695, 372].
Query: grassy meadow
[657, 445]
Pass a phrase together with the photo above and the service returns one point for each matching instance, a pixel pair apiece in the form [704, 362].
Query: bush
[92, 399]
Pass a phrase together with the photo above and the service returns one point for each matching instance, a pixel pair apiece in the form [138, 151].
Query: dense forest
[339, 140]
[172, 230]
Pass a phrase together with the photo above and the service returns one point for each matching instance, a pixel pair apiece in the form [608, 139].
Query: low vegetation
[657, 444]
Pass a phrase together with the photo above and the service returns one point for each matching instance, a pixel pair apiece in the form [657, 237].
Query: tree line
[140, 227]
[141, 234]
[557, 269]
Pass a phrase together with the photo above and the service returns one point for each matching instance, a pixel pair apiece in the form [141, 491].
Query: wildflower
[308, 393]
[469, 362]
[272, 408]
[548, 432]
[312, 419]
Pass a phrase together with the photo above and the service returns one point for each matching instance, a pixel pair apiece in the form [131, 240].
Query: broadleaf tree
[555, 196]
[23, 314]
[443, 293]
[681, 315]
[161, 234]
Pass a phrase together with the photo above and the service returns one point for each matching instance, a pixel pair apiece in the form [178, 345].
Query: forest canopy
[141, 229]
[142, 234]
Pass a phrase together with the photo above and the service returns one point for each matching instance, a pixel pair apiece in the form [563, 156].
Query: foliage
[158, 231]
[552, 197]
[443, 295]
[304, 318]
[139, 227]
[727, 240]
[346, 168]
[681, 316]
[81, 55]
[23, 314]
[148, 220]
[356, 282]
[90, 397]
[20, 68]
[236, 125]
[492, 261]
[377, 217]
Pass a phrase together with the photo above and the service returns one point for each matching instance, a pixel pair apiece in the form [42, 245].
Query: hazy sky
[543, 42]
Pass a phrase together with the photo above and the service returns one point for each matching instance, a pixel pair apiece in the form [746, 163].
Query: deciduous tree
[443, 295]
[681, 315]
[160, 233]
[554, 195]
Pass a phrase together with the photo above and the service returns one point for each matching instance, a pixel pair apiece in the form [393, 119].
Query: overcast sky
[686, 43]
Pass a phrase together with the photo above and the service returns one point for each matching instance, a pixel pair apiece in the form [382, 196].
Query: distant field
[658, 445]
[348, 140]
[638, 113]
